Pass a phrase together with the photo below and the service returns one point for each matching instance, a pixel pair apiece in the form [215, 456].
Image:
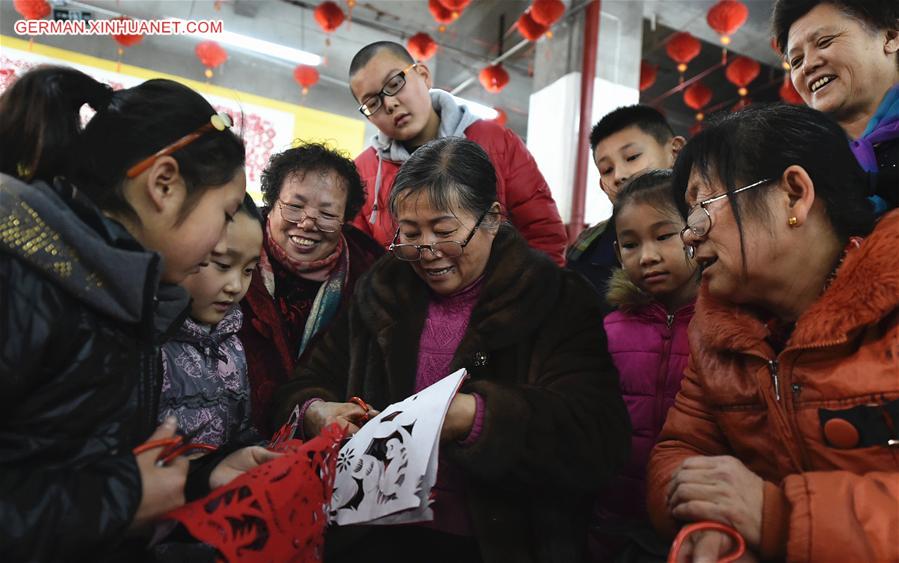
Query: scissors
[175, 446]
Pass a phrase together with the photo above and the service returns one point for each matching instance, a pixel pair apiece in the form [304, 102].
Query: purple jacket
[650, 349]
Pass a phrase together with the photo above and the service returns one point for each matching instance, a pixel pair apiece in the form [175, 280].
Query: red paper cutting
[275, 512]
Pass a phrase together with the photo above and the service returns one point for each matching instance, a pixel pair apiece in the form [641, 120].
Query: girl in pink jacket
[654, 292]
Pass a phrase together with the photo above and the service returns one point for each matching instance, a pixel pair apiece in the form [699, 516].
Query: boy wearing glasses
[395, 96]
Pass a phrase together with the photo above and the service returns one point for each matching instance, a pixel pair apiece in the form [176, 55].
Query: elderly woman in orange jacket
[786, 424]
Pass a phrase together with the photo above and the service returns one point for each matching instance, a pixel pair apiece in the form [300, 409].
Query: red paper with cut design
[275, 512]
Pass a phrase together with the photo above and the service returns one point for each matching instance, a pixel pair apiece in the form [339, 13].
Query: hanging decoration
[529, 28]
[441, 14]
[306, 76]
[789, 94]
[212, 55]
[697, 96]
[456, 7]
[683, 48]
[547, 12]
[741, 72]
[742, 103]
[501, 117]
[329, 16]
[125, 41]
[648, 73]
[421, 46]
[32, 9]
[726, 17]
[494, 78]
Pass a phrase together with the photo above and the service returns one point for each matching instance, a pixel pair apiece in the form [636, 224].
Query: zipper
[662, 374]
[670, 320]
[775, 378]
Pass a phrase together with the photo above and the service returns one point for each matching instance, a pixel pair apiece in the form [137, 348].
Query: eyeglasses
[699, 220]
[372, 104]
[296, 215]
[217, 122]
[448, 248]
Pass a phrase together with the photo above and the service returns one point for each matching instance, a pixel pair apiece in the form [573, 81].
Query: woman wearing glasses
[539, 425]
[786, 424]
[310, 261]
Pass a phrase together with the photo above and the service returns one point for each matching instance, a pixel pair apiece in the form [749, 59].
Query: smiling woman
[788, 408]
[844, 61]
[539, 424]
[309, 265]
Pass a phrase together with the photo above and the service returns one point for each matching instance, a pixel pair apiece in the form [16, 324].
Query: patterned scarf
[332, 270]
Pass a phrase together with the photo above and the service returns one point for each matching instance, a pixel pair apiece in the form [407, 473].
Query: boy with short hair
[627, 141]
[395, 96]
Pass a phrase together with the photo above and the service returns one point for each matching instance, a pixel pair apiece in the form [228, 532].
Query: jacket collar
[865, 290]
[393, 303]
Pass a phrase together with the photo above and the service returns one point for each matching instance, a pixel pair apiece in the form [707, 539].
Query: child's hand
[163, 487]
[238, 463]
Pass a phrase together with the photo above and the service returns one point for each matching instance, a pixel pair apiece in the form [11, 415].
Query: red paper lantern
[697, 96]
[648, 73]
[494, 78]
[421, 46]
[789, 94]
[683, 48]
[441, 15]
[528, 28]
[501, 117]
[211, 54]
[329, 16]
[455, 6]
[726, 17]
[32, 9]
[127, 40]
[741, 71]
[306, 76]
[547, 12]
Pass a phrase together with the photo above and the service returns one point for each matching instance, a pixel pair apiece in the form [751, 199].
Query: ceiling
[467, 44]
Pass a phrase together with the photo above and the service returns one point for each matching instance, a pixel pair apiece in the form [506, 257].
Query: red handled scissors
[701, 527]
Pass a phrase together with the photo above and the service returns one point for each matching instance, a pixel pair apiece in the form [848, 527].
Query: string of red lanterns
[682, 47]
[547, 12]
[125, 41]
[529, 28]
[741, 72]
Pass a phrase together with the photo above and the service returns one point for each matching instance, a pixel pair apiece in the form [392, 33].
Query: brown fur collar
[625, 294]
[866, 290]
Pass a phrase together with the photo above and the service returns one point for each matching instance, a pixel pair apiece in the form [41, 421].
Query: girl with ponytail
[97, 225]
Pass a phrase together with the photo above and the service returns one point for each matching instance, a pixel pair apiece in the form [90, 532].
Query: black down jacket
[81, 316]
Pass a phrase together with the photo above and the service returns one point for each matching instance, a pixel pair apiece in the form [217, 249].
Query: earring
[792, 221]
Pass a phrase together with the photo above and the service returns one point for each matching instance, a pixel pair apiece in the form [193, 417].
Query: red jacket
[825, 498]
[520, 188]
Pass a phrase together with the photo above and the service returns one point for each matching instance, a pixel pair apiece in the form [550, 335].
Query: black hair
[653, 188]
[761, 142]
[248, 207]
[873, 14]
[646, 118]
[313, 157]
[368, 52]
[41, 135]
[449, 171]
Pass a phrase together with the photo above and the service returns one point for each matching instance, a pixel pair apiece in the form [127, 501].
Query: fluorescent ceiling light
[480, 110]
[266, 48]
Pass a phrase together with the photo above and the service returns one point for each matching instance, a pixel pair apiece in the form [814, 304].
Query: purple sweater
[444, 327]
